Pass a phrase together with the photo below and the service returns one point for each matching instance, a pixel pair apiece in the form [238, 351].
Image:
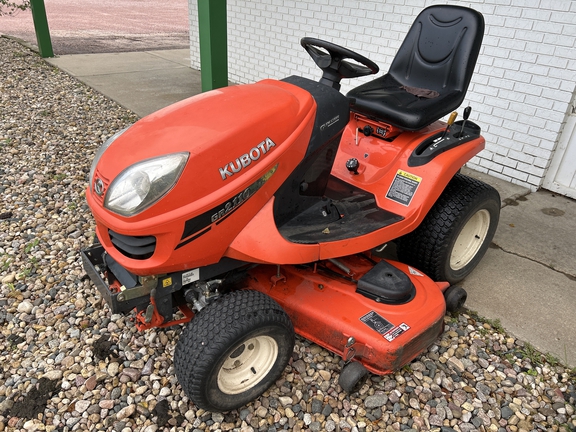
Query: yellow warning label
[410, 176]
[403, 187]
[167, 282]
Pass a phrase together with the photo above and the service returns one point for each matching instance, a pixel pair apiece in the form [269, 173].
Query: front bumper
[154, 297]
[119, 298]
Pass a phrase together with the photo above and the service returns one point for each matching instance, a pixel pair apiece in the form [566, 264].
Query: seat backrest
[440, 49]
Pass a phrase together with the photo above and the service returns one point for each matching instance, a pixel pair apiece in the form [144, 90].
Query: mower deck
[382, 313]
[325, 307]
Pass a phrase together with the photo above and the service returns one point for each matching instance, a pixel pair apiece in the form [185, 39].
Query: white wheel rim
[247, 365]
[470, 240]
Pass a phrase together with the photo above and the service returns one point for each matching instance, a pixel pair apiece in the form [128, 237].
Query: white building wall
[520, 93]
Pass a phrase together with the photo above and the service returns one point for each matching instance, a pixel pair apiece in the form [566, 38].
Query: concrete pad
[142, 82]
[145, 92]
[532, 302]
[508, 191]
[542, 228]
[81, 65]
[527, 279]
[179, 56]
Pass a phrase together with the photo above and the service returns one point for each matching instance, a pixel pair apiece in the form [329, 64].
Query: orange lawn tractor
[256, 211]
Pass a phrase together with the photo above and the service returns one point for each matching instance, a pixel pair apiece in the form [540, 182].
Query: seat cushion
[438, 55]
[385, 99]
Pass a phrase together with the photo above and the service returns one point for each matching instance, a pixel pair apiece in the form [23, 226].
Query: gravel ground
[67, 364]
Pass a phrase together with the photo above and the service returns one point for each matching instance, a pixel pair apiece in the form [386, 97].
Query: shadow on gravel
[34, 403]
[64, 45]
[102, 348]
[161, 410]
[112, 44]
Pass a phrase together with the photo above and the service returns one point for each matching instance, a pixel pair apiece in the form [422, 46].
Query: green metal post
[213, 44]
[41, 27]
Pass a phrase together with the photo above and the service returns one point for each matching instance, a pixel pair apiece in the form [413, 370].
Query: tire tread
[235, 310]
[425, 248]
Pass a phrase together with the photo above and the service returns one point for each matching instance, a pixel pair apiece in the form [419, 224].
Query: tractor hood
[225, 139]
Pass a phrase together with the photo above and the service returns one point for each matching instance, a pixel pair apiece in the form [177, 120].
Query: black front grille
[135, 247]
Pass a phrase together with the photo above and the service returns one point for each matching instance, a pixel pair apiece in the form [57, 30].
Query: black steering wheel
[333, 64]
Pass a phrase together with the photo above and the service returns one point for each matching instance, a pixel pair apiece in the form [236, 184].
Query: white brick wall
[520, 93]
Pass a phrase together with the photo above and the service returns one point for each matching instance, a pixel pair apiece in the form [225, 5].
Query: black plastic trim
[429, 149]
[135, 247]
[384, 283]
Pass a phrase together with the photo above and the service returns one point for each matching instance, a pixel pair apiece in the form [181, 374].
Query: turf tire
[221, 332]
[430, 247]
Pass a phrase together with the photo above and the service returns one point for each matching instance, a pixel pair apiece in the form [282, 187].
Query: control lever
[449, 124]
[366, 130]
[466, 115]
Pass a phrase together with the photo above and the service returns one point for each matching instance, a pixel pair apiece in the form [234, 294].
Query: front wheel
[455, 234]
[233, 350]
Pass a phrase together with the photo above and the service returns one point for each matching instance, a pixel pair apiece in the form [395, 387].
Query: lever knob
[352, 165]
[466, 115]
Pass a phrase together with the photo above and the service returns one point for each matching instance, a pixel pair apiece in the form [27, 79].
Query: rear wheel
[455, 234]
[233, 350]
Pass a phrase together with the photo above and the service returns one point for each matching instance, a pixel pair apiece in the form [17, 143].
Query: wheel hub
[470, 239]
[247, 365]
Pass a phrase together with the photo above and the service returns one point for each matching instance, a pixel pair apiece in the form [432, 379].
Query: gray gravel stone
[316, 406]
[506, 412]
[376, 401]
[299, 366]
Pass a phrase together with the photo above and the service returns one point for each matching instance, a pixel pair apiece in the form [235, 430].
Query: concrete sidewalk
[143, 81]
[527, 280]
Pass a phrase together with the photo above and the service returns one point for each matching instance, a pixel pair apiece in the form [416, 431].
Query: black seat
[430, 73]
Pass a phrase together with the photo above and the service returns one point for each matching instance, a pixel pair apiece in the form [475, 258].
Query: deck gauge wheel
[352, 376]
[455, 298]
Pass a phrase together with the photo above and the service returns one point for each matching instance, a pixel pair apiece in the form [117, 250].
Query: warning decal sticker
[383, 326]
[376, 322]
[414, 272]
[396, 331]
[190, 276]
[403, 188]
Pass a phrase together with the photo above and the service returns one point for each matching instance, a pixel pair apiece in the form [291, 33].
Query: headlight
[99, 154]
[144, 183]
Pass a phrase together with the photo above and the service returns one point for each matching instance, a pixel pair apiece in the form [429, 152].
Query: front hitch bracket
[152, 297]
